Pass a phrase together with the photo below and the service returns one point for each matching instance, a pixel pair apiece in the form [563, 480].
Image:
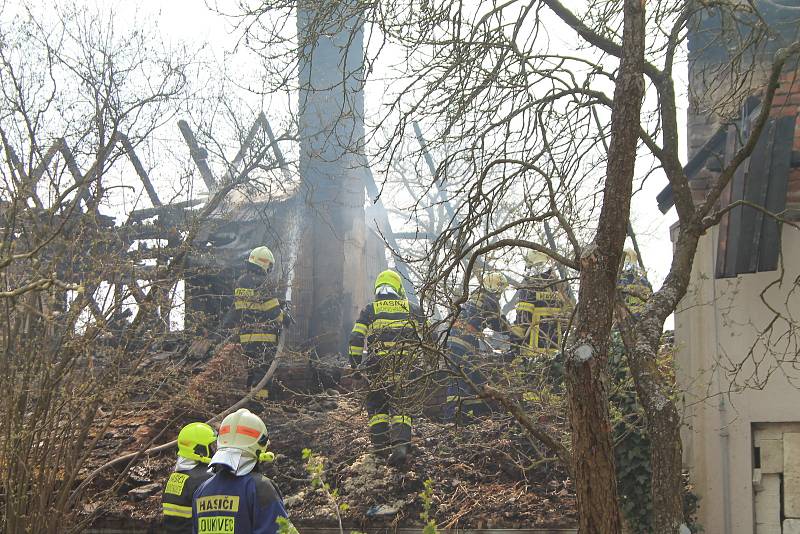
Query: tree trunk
[655, 393]
[666, 460]
[663, 427]
[587, 358]
[592, 446]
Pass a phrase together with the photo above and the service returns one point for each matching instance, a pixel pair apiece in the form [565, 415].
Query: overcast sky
[191, 22]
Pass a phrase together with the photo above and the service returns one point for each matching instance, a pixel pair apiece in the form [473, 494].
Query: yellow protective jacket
[256, 311]
[635, 289]
[540, 315]
[389, 323]
[176, 500]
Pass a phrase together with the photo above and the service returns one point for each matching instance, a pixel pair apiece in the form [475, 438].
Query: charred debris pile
[484, 475]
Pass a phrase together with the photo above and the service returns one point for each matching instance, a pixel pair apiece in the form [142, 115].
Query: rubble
[366, 477]
[487, 475]
[142, 492]
[384, 510]
[217, 386]
[294, 500]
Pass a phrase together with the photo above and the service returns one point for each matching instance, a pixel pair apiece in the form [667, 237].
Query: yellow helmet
[194, 442]
[534, 258]
[262, 257]
[495, 282]
[245, 431]
[631, 258]
[391, 279]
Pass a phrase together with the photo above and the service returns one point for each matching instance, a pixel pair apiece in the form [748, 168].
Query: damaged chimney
[331, 131]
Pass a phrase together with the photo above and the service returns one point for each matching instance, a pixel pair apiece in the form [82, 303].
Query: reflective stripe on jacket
[540, 314]
[387, 324]
[230, 504]
[256, 312]
[176, 500]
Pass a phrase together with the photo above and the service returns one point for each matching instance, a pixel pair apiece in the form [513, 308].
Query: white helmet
[495, 282]
[263, 257]
[245, 431]
[534, 258]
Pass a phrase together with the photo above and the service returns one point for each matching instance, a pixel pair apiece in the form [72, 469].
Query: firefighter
[237, 498]
[480, 312]
[389, 332]
[258, 314]
[634, 284]
[540, 309]
[194, 454]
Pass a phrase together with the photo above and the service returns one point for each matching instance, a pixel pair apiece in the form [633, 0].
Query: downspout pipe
[722, 405]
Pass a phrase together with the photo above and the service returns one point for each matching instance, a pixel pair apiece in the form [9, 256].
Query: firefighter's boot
[379, 429]
[401, 440]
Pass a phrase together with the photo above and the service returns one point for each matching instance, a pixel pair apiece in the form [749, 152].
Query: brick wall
[703, 120]
[787, 103]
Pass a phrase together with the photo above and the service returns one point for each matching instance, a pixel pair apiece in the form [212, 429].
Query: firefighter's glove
[288, 320]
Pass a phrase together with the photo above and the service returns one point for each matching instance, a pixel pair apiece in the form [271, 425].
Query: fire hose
[166, 446]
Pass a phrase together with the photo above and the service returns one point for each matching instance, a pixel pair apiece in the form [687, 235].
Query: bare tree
[91, 257]
[517, 112]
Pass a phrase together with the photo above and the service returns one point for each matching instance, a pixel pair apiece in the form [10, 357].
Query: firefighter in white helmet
[258, 314]
[239, 499]
[633, 283]
[480, 312]
[540, 314]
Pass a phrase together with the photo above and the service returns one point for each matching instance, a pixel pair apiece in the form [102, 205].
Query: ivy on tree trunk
[592, 444]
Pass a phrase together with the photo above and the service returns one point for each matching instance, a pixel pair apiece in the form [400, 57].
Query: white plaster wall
[719, 321]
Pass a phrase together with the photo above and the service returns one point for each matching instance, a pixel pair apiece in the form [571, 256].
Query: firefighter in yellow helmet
[540, 308]
[194, 453]
[633, 283]
[480, 312]
[238, 498]
[257, 314]
[385, 344]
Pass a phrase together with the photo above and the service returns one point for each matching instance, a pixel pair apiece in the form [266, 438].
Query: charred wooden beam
[38, 171]
[137, 165]
[24, 182]
[446, 201]
[199, 155]
[276, 150]
[177, 207]
[385, 227]
[74, 170]
[432, 167]
[246, 144]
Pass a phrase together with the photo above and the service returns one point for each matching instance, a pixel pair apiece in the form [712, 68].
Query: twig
[166, 446]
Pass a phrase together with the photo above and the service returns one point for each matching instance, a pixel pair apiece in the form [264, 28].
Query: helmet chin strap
[197, 458]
